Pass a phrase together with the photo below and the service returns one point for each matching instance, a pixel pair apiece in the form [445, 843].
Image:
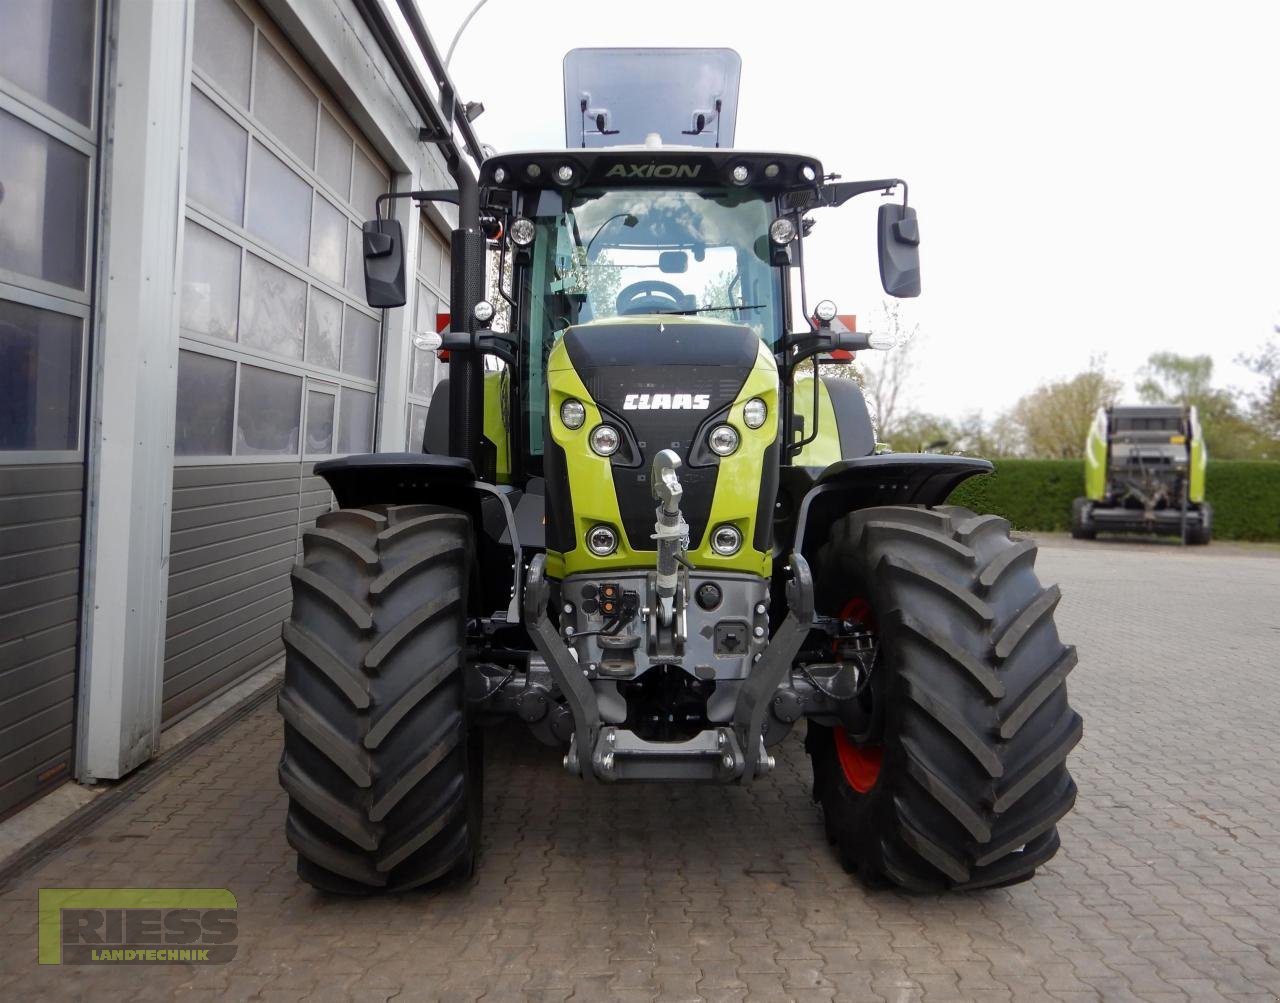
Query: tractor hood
[666, 381]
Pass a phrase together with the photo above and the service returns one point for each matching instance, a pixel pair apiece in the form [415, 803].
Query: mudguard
[881, 479]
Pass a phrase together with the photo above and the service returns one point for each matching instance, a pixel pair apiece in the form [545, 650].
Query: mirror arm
[502, 346]
[842, 191]
[451, 195]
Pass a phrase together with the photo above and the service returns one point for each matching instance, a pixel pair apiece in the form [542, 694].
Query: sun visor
[618, 96]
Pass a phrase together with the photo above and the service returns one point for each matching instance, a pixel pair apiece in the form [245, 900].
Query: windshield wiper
[706, 309]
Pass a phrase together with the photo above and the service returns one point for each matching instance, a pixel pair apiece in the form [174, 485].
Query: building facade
[183, 335]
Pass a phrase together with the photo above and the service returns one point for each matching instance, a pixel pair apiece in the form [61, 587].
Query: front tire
[382, 773]
[958, 777]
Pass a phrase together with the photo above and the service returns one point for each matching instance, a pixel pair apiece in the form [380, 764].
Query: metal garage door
[48, 152]
[279, 355]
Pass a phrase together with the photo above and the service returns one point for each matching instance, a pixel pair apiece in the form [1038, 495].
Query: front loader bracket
[771, 668]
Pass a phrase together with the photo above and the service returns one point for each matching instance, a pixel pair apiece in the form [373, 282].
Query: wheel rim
[859, 763]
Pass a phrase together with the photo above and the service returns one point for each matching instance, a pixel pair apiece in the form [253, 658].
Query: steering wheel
[650, 295]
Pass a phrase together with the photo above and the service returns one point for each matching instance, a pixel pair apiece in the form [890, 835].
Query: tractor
[654, 530]
[1144, 468]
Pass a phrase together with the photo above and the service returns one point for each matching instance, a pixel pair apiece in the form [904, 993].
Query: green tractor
[657, 542]
[1144, 468]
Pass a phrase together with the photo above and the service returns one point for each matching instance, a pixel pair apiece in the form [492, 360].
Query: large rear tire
[959, 777]
[382, 774]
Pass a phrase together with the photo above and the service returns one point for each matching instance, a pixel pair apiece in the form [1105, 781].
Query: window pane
[319, 422]
[43, 216]
[274, 305]
[334, 163]
[224, 46]
[279, 204]
[355, 262]
[355, 422]
[39, 378]
[328, 240]
[215, 162]
[417, 428]
[324, 329]
[430, 251]
[285, 104]
[426, 307]
[210, 283]
[206, 390]
[360, 345]
[424, 372]
[49, 51]
[269, 414]
[367, 184]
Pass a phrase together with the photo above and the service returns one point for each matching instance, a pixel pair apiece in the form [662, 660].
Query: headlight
[483, 311]
[533, 170]
[602, 541]
[522, 232]
[825, 311]
[564, 174]
[572, 413]
[723, 440]
[605, 440]
[754, 412]
[741, 174]
[499, 175]
[726, 540]
[782, 231]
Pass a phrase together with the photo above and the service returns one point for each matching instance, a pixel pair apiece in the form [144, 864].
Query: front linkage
[734, 751]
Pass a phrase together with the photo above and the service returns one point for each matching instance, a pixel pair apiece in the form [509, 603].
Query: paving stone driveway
[1167, 887]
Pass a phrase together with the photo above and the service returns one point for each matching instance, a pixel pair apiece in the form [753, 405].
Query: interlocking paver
[1167, 887]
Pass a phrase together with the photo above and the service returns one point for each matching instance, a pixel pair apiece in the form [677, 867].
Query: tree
[1187, 380]
[885, 379]
[1054, 418]
[1264, 405]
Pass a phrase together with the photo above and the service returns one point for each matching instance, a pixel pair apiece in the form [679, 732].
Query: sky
[1092, 178]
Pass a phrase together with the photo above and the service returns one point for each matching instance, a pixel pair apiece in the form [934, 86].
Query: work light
[522, 232]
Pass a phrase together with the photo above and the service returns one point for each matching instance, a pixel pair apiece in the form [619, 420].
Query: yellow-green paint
[1199, 460]
[825, 449]
[497, 419]
[736, 497]
[1095, 458]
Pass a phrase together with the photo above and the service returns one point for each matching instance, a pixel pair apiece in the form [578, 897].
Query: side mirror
[383, 263]
[898, 237]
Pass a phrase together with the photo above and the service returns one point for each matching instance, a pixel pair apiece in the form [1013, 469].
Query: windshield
[636, 252]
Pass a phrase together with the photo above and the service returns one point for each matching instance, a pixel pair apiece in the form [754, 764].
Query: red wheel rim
[860, 763]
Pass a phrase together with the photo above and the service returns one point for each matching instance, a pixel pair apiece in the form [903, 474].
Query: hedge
[1036, 495]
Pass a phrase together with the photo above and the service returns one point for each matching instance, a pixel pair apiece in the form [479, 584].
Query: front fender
[880, 479]
[429, 478]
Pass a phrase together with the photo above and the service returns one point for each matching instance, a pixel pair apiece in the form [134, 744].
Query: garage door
[279, 355]
[48, 152]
